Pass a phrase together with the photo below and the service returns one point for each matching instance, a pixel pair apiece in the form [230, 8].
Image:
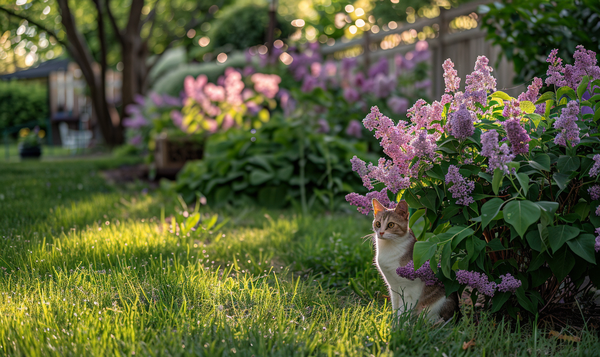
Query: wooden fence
[455, 34]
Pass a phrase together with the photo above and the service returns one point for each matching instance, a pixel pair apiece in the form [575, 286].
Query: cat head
[390, 223]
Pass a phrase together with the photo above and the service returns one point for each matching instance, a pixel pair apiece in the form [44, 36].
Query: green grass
[93, 269]
[10, 152]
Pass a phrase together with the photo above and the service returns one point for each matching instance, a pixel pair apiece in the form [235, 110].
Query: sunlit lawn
[93, 269]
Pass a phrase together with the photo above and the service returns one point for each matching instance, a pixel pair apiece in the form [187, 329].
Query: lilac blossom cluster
[451, 79]
[566, 124]
[461, 122]
[597, 245]
[480, 81]
[364, 203]
[594, 192]
[380, 82]
[498, 156]
[595, 169]
[481, 283]
[424, 273]
[571, 75]
[532, 94]
[461, 187]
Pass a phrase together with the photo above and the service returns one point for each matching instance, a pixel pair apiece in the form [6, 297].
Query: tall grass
[94, 269]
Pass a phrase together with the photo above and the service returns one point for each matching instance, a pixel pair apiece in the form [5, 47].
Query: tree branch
[113, 21]
[37, 24]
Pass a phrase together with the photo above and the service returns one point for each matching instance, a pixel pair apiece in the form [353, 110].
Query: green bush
[245, 26]
[272, 166]
[528, 30]
[22, 102]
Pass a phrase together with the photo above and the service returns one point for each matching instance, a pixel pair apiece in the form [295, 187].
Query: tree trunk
[112, 132]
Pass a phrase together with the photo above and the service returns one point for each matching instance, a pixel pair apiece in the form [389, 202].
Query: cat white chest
[402, 290]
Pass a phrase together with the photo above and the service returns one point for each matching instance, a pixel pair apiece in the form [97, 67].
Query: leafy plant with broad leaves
[287, 161]
[504, 191]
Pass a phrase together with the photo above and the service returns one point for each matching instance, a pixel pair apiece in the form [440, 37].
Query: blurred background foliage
[527, 30]
[22, 102]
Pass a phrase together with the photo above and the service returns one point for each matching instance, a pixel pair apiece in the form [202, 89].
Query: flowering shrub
[504, 190]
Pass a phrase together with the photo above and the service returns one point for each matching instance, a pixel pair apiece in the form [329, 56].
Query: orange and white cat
[394, 243]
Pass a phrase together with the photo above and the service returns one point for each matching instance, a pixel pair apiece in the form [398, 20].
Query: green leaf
[562, 263]
[536, 119]
[499, 300]
[285, 173]
[544, 97]
[560, 234]
[527, 107]
[561, 180]
[525, 302]
[562, 91]
[541, 162]
[458, 234]
[429, 200]
[489, 210]
[415, 216]
[534, 240]
[495, 245]
[582, 209]
[497, 180]
[548, 206]
[521, 214]
[567, 164]
[583, 246]
[500, 94]
[258, 177]
[524, 181]
[583, 86]
[445, 260]
[422, 252]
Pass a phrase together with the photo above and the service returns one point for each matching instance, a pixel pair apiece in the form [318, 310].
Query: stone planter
[171, 154]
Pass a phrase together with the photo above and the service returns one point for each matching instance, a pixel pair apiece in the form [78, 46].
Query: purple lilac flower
[228, 122]
[424, 273]
[171, 101]
[596, 168]
[598, 210]
[351, 95]
[461, 188]
[156, 99]
[597, 245]
[354, 129]
[567, 125]
[498, 156]
[139, 99]
[424, 145]
[594, 192]
[133, 109]
[177, 119]
[287, 102]
[476, 281]
[555, 70]
[348, 64]
[512, 110]
[365, 203]
[267, 84]
[461, 122]
[585, 64]
[403, 63]
[383, 85]
[136, 122]
[323, 126]
[532, 94]
[382, 66]
[480, 81]
[397, 105]
[310, 83]
[517, 136]
[450, 76]
[508, 284]
[424, 84]
[136, 140]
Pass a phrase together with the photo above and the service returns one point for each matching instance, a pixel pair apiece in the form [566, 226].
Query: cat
[394, 243]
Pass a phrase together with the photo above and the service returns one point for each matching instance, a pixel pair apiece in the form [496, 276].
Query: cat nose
[381, 232]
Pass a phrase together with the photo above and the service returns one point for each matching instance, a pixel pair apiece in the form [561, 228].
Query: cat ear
[377, 207]
[402, 209]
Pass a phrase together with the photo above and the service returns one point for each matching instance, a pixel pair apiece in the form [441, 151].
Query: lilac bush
[505, 189]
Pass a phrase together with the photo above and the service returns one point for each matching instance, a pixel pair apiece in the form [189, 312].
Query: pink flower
[397, 105]
[193, 87]
[450, 76]
[351, 95]
[354, 129]
[214, 92]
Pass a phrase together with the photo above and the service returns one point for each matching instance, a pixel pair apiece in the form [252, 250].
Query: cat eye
[378, 224]
[390, 225]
